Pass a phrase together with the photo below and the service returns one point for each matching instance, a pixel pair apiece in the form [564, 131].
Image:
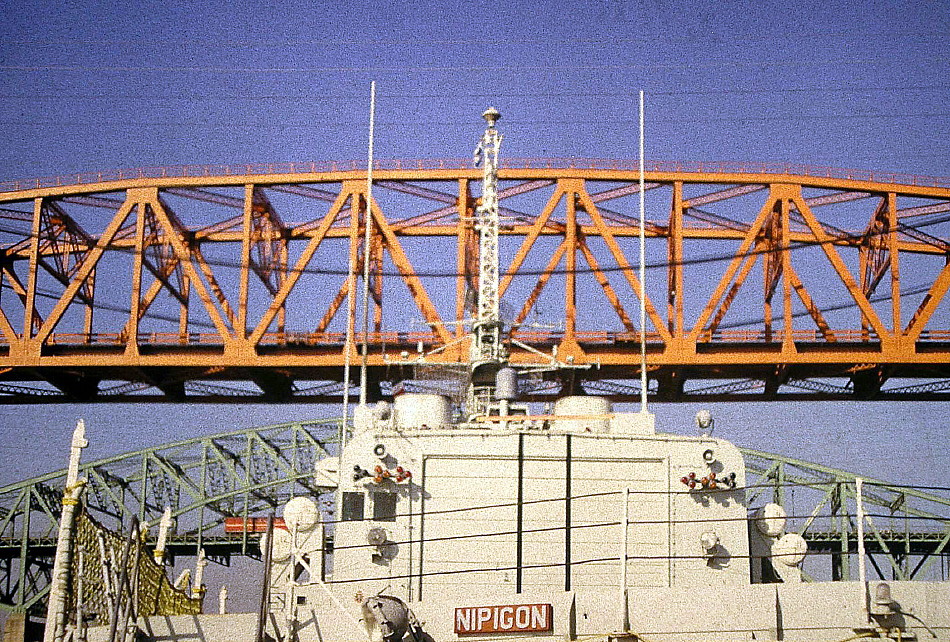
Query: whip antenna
[643, 285]
[368, 218]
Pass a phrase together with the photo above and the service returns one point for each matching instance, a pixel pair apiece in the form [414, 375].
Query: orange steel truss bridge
[234, 283]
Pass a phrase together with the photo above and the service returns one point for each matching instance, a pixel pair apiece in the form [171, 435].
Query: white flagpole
[643, 305]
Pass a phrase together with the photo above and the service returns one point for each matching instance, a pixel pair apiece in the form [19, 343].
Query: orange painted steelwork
[163, 277]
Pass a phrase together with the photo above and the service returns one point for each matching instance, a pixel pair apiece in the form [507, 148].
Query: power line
[821, 484]
[560, 527]
[507, 69]
[375, 42]
[421, 123]
[243, 97]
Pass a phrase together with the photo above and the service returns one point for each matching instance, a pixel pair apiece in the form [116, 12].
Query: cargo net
[96, 572]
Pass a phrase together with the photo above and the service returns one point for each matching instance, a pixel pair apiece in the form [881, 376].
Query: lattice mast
[488, 353]
[486, 155]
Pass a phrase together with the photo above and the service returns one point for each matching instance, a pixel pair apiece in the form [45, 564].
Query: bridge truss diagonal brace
[263, 249]
[604, 282]
[813, 310]
[543, 279]
[627, 270]
[408, 273]
[875, 248]
[826, 242]
[6, 328]
[174, 236]
[347, 193]
[456, 206]
[83, 273]
[747, 262]
[741, 257]
[931, 301]
[356, 256]
[264, 232]
[536, 228]
[27, 295]
[169, 262]
[69, 244]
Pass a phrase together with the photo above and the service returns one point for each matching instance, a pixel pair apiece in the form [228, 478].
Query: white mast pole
[164, 525]
[625, 521]
[643, 305]
[57, 605]
[366, 241]
[862, 569]
[351, 294]
[488, 221]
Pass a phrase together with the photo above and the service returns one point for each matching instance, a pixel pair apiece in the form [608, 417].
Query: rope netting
[98, 579]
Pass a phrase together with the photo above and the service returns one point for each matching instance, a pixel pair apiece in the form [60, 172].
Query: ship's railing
[322, 167]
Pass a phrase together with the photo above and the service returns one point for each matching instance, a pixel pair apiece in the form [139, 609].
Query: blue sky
[90, 86]
[95, 85]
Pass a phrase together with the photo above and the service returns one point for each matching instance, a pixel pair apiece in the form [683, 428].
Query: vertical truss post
[570, 270]
[248, 477]
[30, 303]
[788, 340]
[204, 493]
[281, 277]
[135, 312]
[772, 260]
[845, 534]
[183, 304]
[892, 239]
[864, 262]
[246, 227]
[779, 490]
[835, 521]
[143, 499]
[376, 280]
[675, 270]
[90, 307]
[24, 548]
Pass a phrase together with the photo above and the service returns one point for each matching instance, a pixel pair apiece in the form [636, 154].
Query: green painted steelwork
[204, 480]
[908, 528]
